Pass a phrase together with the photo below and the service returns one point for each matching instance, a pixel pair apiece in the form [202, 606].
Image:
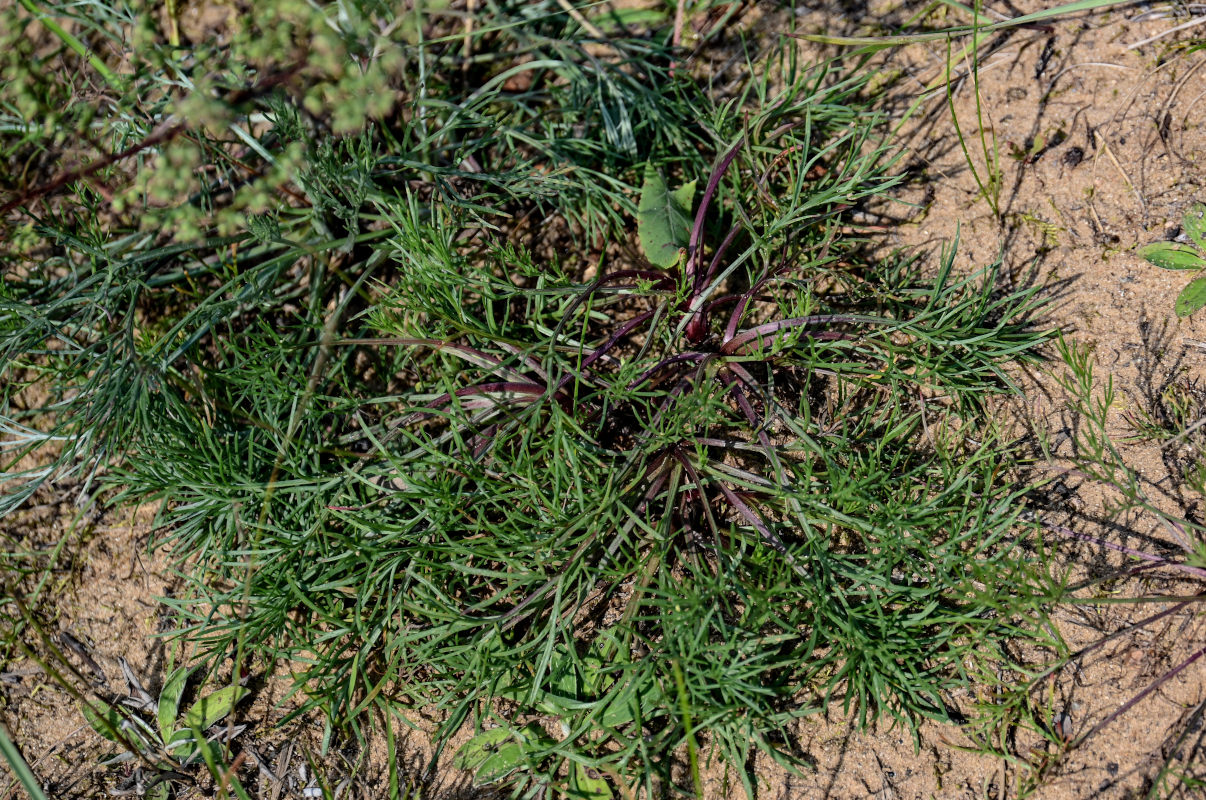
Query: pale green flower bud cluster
[226, 160]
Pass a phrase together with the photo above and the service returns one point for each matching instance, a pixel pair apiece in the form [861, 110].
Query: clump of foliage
[404, 453]
[174, 741]
[1176, 256]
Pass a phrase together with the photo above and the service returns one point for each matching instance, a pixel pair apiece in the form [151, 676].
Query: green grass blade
[24, 775]
[75, 44]
[877, 42]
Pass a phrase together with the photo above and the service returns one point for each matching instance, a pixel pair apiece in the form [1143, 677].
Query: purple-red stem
[720, 251]
[697, 326]
[1154, 559]
[1118, 712]
[1103, 641]
[743, 402]
[767, 534]
[533, 389]
[615, 338]
[743, 301]
[693, 244]
[733, 345]
[689, 468]
[666, 362]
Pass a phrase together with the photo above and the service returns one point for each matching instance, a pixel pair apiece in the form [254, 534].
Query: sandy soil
[1131, 159]
[1131, 156]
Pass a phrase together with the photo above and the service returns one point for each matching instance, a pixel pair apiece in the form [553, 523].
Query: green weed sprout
[171, 742]
[1176, 256]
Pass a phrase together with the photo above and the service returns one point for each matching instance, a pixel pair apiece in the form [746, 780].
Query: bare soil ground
[1103, 147]
[1130, 122]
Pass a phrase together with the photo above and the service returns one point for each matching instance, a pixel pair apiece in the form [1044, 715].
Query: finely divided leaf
[1192, 297]
[1195, 224]
[663, 218]
[1170, 255]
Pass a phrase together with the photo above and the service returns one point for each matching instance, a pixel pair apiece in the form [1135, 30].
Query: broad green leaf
[622, 710]
[589, 783]
[169, 701]
[1192, 297]
[615, 20]
[474, 752]
[1170, 255]
[593, 676]
[557, 704]
[97, 721]
[213, 707]
[501, 763]
[1195, 224]
[564, 674]
[158, 792]
[663, 218]
[534, 734]
[178, 739]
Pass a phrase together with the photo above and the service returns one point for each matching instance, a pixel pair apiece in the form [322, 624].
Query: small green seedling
[578, 688]
[1173, 255]
[664, 218]
[171, 742]
[494, 754]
